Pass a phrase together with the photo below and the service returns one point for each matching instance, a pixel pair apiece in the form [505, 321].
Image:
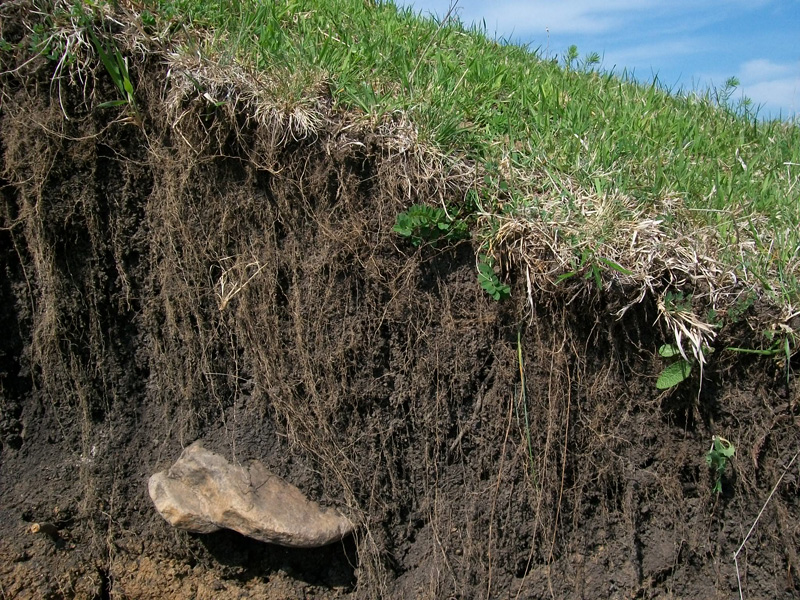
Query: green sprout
[717, 459]
[676, 371]
[426, 224]
[489, 281]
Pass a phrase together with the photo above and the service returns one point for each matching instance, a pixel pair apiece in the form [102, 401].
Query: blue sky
[689, 44]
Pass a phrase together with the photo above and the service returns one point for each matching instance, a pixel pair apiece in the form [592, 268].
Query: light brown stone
[202, 492]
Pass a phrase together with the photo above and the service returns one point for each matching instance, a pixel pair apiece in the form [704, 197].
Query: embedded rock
[202, 492]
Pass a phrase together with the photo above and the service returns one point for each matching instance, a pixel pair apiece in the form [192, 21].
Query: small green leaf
[112, 103]
[489, 288]
[565, 276]
[422, 223]
[615, 266]
[489, 280]
[717, 459]
[598, 279]
[669, 350]
[148, 18]
[674, 374]
[723, 447]
[403, 225]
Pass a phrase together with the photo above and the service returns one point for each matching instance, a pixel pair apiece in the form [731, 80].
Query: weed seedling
[592, 267]
[783, 345]
[676, 371]
[117, 68]
[421, 223]
[489, 281]
[717, 459]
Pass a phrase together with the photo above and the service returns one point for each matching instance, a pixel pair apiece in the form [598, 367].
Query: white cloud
[773, 85]
[762, 69]
[558, 17]
[779, 95]
[517, 18]
[646, 55]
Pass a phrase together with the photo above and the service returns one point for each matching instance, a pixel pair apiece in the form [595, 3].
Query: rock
[202, 493]
[47, 529]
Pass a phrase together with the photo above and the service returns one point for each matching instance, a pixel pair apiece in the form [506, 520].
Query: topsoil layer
[198, 273]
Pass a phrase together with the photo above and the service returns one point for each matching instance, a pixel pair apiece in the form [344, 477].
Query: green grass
[472, 97]
[584, 155]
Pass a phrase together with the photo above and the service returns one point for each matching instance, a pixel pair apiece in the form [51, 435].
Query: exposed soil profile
[211, 273]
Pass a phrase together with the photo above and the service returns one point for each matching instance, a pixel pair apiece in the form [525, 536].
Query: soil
[200, 274]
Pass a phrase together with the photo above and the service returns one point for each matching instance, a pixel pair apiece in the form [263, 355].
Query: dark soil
[377, 377]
